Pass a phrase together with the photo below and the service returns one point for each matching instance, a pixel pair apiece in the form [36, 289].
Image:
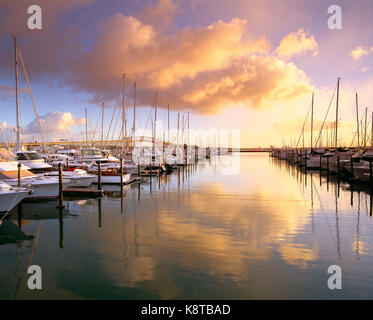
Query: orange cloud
[204, 69]
[359, 52]
[297, 43]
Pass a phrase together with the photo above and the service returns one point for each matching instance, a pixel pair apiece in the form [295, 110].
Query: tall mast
[336, 115]
[134, 115]
[102, 125]
[365, 128]
[188, 130]
[312, 120]
[168, 123]
[357, 122]
[371, 133]
[155, 122]
[124, 134]
[18, 142]
[42, 133]
[187, 141]
[178, 127]
[86, 126]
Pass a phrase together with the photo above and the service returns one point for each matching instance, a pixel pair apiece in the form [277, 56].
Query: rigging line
[322, 126]
[309, 109]
[111, 121]
[353, 139]
[115, 125]
[42, 133]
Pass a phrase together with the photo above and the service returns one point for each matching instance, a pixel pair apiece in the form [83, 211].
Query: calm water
[269, 231]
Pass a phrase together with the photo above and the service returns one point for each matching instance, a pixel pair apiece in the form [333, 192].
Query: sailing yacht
[10, 197]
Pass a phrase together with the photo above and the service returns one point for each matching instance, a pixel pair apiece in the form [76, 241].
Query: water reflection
[270, 231]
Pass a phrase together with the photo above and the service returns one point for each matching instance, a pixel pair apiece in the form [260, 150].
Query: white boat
[10, 197]
[34, 161]
[110, 174]
[115, 179]
[43, 187]
[55, 158]
[93, 155]
[78, 177]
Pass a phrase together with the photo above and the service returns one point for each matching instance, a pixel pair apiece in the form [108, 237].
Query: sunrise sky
[233, 64]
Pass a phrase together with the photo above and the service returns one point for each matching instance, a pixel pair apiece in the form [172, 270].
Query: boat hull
[8, 200]
[43, 188]
[114, 179]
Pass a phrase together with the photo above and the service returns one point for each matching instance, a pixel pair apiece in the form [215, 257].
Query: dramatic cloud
[297, 43]
[359, 52]
[203, 69]
[53, 123]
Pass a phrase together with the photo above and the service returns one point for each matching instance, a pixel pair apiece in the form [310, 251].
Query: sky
[232, 64]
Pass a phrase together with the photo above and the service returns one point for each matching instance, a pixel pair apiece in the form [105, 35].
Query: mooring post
[352, 168]
[370, 176]
[67, 164]
[60, 188]
[99, 176]
[19, 178]
[320, 162]
[121, 172]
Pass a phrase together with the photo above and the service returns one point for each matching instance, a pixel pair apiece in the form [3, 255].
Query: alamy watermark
[335, 20]
[335, 280]
[34, 281]
[34, 21]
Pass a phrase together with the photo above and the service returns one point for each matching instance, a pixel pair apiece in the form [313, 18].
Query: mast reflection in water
[271, 231]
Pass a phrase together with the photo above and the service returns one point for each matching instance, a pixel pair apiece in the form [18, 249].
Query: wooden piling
[352, 168]
[320, 163]
[121, 172]
[67, 164]
[99, 176]
[370, 176]
[60, 188]
[19, 178]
